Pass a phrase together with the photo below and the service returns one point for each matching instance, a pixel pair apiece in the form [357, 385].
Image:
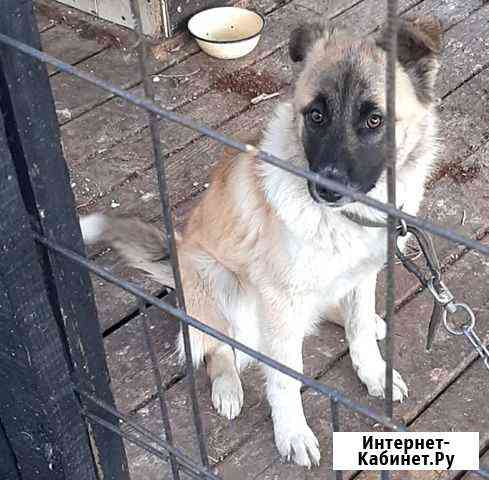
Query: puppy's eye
[316, 116]
[374, 121]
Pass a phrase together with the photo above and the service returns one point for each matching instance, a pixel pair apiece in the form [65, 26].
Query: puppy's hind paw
[299, 445]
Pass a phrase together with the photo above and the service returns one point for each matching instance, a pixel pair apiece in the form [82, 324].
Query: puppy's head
[340, 104]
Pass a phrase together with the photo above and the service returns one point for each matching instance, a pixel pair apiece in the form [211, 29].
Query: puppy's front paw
[298, 443]
[227, 395]
[374, 379]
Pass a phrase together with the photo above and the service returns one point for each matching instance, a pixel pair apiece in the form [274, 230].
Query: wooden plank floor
[107, 146]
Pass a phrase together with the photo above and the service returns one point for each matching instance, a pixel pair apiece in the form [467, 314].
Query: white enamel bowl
[227, 32]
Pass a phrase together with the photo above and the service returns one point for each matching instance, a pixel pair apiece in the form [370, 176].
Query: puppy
[266, 254]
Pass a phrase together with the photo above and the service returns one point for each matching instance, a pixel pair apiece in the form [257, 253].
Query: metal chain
[444, 298]
[444, 304]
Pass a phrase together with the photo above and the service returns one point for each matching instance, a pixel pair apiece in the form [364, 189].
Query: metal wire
[192, 472]
[391, 150]
[159, 388]
[169, 230]
[335, 423]
[266, 157]
[177, 453]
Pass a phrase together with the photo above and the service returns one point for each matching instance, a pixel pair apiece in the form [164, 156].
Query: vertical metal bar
[391, 41]
[335, 423]
[392, 7]
[170, 232]
[159, 388]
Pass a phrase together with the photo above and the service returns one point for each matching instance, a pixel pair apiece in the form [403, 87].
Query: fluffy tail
[141, 244]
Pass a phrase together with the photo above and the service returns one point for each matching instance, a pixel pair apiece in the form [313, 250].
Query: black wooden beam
[34, 141]
[40, 415]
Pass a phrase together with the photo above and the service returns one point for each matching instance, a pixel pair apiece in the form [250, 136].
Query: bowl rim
[228, 41]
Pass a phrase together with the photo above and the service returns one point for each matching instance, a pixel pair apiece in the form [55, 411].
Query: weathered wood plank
[114, 166]
[8, 464]
[69, 46]
[117, 65]
[463, 407]
[223, 432]
[45, 430]
[120, 67]
[448, 12]
[129, 363]
[43, 21]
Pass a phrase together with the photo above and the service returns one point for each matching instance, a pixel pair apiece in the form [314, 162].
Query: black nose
[328, 195]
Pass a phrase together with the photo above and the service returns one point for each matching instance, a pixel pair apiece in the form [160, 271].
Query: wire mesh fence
[100, 411]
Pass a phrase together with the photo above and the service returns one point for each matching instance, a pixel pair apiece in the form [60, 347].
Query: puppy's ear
[303, 38]
[419, 46]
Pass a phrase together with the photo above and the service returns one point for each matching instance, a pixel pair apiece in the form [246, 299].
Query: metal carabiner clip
[454, 308]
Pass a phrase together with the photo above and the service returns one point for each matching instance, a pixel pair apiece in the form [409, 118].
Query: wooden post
[41, 420]
[48, 288]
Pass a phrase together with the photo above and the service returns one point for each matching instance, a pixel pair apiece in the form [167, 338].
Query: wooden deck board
[128, 120]
[119, 65]
[65, 44]
[43, 22]
[463, 407]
